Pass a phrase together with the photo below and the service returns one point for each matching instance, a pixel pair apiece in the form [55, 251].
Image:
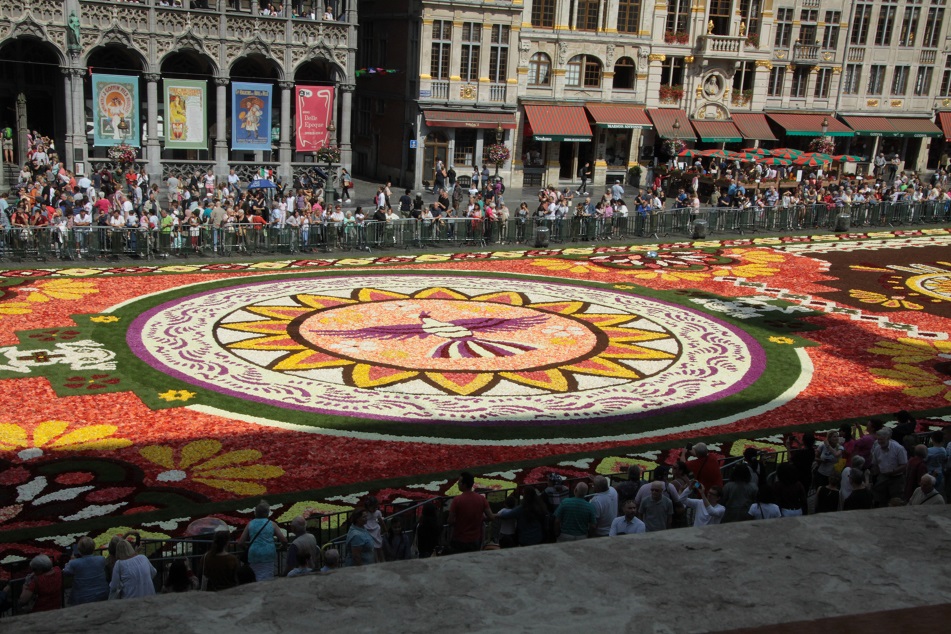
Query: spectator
[627, 490]
[861, 497]
[575, 517]
[827, 457]
[43, 586]
[303, 566]
[937, 459]
[605, 506]
[88, 571]
[331, 560]
[706, 506]
[219, 568]
[555, 492]
[627, 524]
[845, 482]
[705, 466]
[132, 574]
[753, 463]
[889, 461]
[862, 446]
[531, 518]
[827, 496]
[428, 530]
[179, 578]
[397, 545]
[926, 493]
[681, 476]
[262, 553]
[657, 510]
[789, 491]
[374, 526]
[765, 508]
[304, 542]
[738, 494]
[467, 513]
[906, 426]
[917, 467]
[359, 542]
[803, 457]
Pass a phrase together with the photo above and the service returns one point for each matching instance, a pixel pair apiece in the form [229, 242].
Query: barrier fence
[98, 242]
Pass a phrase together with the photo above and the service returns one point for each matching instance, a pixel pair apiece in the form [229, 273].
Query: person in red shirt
[44, 584]
[467, 513]
[705, 466]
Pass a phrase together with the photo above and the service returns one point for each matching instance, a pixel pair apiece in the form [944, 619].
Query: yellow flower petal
[80, 435]
[48, 430]
[232, 457]
[15, 308]
[197, 451]
[236, 487]
[12, 437]
[250, 472]
[103, 444]
[162, 456]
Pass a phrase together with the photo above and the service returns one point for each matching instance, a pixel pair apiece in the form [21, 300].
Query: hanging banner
[186, 115]
[315, 106]
[115, 103]
[251, 116]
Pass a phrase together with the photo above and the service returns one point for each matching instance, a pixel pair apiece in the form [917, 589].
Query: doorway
[435, 149]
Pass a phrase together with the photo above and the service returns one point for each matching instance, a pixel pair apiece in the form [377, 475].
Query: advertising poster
[314, 112]
[186, 114]
[251, 116]
[115, 102]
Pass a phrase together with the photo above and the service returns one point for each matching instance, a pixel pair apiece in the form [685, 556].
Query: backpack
[7, 133]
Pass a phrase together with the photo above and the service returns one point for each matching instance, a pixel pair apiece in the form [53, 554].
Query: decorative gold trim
[896, 103]
[425, 76]
[522, 70]
[837, 69]
[656, 57]
[483, 80]
[946, 103]
[608, 74]
[512, 80]
[455, 78]
[642, 77]
[764, 63]
[814, 70]
[428, 21]
[558, 71]
[872, 103]
[688, 59]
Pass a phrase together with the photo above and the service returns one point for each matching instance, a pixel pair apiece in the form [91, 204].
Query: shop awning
[916, 128]
[717, 131]
[469, 119]
[618, 116]
[945, 119]
[754, 127]
[871, 126]
[810, 124]
[557, 123]
[664, 120]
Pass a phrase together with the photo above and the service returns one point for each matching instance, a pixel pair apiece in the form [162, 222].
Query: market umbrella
[743, 156]
[755, 150]
[717, 153]
[847, 158]
[809, 161]
[826, 158]
[774, 160]
[262, 183]
[786, 153]
[689, 153]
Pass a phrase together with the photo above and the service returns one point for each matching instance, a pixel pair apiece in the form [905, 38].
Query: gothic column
[346, 152]
[70, 121]
[284, 153]
[221, 125]
[80, 152]
[152, 143]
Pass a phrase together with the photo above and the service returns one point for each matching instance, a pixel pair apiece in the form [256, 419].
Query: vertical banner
[186, 116]
[115, 103]
[251, 116]
[315, 106]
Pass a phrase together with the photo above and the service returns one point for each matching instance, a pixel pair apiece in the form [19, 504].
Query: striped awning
[754, 126]
[945, 119]
[469, 119]
[810, 124]
[618, 116]
[557, 123]
[717, 131]
[918, 128]
[871, 126]
[665, 119]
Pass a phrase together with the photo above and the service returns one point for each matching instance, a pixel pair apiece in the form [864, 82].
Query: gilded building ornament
[872, 103]
[764, 63]
[896, 103]
[468, 92]
[657, 57]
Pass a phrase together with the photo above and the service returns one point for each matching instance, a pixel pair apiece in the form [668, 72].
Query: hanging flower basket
[328, 154]
[823, 145]
[673, 147]
[122, 153]
[671, 93]
[498, 154]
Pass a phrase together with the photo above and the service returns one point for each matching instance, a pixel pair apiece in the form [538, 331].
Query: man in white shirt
[889, 461]
[627, 524]
[605, 506]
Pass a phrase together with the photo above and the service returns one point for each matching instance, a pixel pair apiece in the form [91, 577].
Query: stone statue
[710, 27]
[712, 86]
[73, 35]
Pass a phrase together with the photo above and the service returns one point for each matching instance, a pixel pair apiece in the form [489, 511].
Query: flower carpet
[147, 396]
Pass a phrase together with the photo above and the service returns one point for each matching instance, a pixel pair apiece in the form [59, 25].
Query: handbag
[244, 553]
[116, 592]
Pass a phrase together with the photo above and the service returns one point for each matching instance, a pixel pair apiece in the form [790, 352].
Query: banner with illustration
[115, 110]
[251, 116]
[186, 116]
[314, 112]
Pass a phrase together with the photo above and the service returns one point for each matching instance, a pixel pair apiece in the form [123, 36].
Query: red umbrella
[755, 150]
[718, 153]
[786, 153]
[809, 161]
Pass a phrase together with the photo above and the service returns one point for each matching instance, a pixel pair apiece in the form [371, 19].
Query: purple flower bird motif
[461, 337]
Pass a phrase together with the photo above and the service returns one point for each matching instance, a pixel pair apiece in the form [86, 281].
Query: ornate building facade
[51, 48]
[606, 82]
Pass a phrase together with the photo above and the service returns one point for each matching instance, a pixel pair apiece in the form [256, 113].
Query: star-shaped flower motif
[177, 395]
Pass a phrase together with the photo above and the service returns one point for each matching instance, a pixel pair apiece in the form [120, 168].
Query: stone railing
[805, 52]
[440, 89]
[721, 45]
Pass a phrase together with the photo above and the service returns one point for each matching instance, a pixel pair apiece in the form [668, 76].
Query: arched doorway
[32, 95]
[435, 149]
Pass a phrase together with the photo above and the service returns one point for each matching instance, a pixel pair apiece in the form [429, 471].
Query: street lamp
[824, 125]
[331, 172]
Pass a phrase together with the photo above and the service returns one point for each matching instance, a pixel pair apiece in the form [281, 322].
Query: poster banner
[115, 103]
[186, 116]
[315, 106]
[251, 116]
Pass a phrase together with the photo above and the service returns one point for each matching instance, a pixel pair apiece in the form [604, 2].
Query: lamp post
[331, 172]
[825, 125]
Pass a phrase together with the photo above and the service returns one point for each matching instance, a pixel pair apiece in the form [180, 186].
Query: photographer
[706, 506]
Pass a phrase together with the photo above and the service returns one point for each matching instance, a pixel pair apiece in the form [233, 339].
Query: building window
[830, 35]
[909, 26]
[860, 24]
[625, 73]
[743, 78]
[800, 81]
[539, 70]
[823, 83]
[628, 16]
[876, 80]
[777, 77]
[543, 14]
[499, 53]
[583, 71]
[886, 24]
[933, 27]
[783, 27]
[366, 45]
[587, 15]
[751, 12]
[464, 150]
[945, 89]
[672, 72]
[852, 80]
[900, 80]
[442, 48]
[363, 116]
[720, 13]
[471, 45]
[678, 13]
[809, 15]
[923, 81]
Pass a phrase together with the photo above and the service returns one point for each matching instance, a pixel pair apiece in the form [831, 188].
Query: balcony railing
[927, 56]
[805, 52]
[811, 4]
[721, 45]
[498, 92]
[440, 89]
[340, 10]
[856, 54]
